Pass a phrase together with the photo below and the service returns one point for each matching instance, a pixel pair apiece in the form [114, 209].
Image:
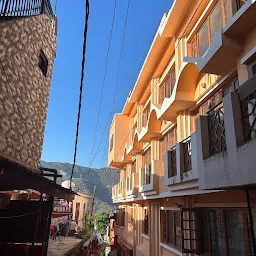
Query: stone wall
[24, 89]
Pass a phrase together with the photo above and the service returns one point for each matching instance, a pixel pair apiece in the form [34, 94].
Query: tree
[101, 222]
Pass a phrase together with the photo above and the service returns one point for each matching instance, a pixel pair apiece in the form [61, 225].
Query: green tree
[102, 221]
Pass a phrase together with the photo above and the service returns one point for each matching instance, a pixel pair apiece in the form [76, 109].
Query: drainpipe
[251, 220]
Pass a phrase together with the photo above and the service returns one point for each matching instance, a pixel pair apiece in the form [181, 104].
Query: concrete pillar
[203, 149]
[154, 229]
[155, 149]
[233, 132]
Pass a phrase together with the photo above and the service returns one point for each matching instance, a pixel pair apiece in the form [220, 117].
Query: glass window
[203, 40]
[145, 116]
[145, 223]
[171, 228]
[168, 141]
[228, 231]
[252, 68]
[167, 88]
[216, 20]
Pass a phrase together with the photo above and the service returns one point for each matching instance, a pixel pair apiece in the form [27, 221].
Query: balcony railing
[248, 112]
[147, 173]
[187, 154]
[21, 8]
[172, 171]
[216, 128]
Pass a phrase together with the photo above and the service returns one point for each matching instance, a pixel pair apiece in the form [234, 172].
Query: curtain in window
[217, 232]
[236, 233]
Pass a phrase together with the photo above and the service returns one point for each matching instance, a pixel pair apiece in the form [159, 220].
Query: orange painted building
[185, 140]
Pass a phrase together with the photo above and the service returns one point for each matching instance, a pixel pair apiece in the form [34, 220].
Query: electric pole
[93, 199]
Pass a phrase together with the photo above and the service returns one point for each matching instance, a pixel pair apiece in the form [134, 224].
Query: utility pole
[93, 199]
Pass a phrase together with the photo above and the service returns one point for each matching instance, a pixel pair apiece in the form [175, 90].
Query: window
[133, 167]
[77, 211]
[145, 222]
[43, 63]
[167, 87]
[168, 141]
[229, 232]
[145, 116]
[213, 23]
[111, 143]
[217, 98]
[252, 68]
[147, 166]
[171, 228]
[120, 217]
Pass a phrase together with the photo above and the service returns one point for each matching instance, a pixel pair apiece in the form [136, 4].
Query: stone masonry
[24, 89]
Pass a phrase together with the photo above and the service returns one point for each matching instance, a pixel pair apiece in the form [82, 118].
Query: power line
[109, 120]
[87, 11]
[104, 78]
[139, 114]
[117, 77]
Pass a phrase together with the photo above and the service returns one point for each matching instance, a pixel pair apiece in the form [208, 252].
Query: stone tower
[27, 53]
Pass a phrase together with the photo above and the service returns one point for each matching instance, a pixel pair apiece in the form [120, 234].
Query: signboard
[61, 208]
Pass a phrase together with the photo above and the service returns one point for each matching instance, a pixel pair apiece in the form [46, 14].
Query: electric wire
[117, 77]
[104, 78]
[21, 215]
[87, 12]
[139, 114]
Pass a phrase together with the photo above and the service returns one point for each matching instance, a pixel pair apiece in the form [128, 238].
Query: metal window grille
[216, 128]
[173, 170]
[248, 112]
[187, 154]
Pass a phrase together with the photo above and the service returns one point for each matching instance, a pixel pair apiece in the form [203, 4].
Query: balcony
[226, 159]
[118, 131]
[114, 193]
[118, 192]
[180, 164]
[121, 190]
[149, 178]
[131, 189]
[226, 45]
[25, 8]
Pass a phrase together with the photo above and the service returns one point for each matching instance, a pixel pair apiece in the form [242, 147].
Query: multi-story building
[185, 140]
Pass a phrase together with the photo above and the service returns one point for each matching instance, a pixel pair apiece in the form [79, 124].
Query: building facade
[185, 140]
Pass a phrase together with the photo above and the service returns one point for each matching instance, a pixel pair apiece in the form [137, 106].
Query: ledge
[171, 249]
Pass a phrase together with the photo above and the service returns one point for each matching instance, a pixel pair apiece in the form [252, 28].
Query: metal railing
[173, 170]
[187, 154]
[21, 8]
[216, 129]
[247, 93]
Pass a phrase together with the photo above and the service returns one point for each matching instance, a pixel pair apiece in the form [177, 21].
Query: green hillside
[86, 178]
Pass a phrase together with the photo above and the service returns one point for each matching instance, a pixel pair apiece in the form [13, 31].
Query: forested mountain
[86, 178]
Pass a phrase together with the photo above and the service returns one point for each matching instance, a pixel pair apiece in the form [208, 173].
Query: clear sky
[143, 21]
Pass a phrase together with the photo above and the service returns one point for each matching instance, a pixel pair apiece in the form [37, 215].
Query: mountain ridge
[86, 178]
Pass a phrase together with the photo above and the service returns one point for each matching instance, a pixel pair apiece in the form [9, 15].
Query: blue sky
[143, 21]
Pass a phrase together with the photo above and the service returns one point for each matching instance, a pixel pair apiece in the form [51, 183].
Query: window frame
[145, 115]
[250, 67]
[111, 143]
[165, 228]
[246, 227]
[167, 86]
[145, 222]
[209, 36]
[166, 141]
[146, 165]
